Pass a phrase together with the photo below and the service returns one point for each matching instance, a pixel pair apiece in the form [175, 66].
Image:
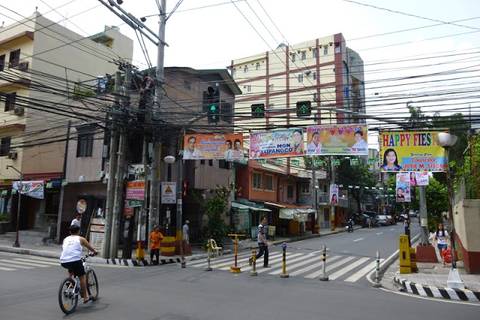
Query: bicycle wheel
[92, 285]
[67, 299]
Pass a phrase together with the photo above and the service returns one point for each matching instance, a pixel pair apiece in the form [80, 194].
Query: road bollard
[235, 268]
[324, 277]
[254, 263]
[209, 253]
[377, 272]
[284, 273]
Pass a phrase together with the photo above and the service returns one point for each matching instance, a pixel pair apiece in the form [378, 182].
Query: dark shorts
[75, 267]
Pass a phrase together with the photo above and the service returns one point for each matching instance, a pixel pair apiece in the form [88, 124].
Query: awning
[297, 214]
[240, 206]
[273, 204]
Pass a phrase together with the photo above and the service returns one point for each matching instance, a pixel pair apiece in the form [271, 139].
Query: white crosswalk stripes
[27, 263]
[306, 265]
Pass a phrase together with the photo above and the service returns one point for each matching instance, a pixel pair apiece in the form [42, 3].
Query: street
[29, 290]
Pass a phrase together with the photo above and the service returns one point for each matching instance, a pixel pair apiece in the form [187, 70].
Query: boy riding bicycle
[71, 258]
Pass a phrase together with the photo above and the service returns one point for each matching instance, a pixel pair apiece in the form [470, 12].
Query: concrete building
[42, 68]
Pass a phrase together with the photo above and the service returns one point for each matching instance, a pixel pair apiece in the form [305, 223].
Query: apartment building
[42, 67]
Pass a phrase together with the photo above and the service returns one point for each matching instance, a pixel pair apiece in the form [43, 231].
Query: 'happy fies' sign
[411, 151]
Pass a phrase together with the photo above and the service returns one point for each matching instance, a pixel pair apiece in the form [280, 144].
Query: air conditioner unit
[23, 66]
[18, 111]
[12, 155]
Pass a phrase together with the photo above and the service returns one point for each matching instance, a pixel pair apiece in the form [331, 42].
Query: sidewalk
[431, 281]
[54, 250]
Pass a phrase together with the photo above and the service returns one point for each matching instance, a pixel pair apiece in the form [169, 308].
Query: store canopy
[298, 214]
[240, 206]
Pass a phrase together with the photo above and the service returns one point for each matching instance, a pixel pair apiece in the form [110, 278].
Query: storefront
[246, 217]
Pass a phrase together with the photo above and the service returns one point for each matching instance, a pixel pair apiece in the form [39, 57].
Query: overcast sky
[212, 36]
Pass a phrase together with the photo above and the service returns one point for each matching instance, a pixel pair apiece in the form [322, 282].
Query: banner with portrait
[226, 146]
[402, 189]
[333, 194]
[276, 144]
[411, 151]
[338, 139]
[418, 179]
[33, 189]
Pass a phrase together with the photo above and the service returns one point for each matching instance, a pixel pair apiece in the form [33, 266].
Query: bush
[3, 217]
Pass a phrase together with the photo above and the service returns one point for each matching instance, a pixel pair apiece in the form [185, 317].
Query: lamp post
[17, 242]
[447, 140]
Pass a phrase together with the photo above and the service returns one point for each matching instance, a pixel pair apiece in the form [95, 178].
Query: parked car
[363, 218]
[382, 220]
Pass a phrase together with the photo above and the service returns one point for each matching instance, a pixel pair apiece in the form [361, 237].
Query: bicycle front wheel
[67, 298]
[92, 284]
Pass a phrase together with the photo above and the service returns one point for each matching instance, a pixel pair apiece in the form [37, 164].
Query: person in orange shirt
[155, 238]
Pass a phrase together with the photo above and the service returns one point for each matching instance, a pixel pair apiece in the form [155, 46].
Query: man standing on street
[262, 243]
[185, 231]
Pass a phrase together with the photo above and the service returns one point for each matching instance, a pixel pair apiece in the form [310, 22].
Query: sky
[210, 33]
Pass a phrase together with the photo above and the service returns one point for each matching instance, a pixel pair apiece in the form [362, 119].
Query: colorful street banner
[411, 151]
[333, 194]
[402, 189]
[346, 139]
[418, 179]
[277, 144]
[33, 189]
[227, 146]
[135, 190]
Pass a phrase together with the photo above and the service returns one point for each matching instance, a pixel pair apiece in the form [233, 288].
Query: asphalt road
[170, 293]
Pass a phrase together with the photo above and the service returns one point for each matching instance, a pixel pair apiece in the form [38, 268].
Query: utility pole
[332, 206]
[156, 157]
[423, 214]
[62, 188]
[315, 199]
[112, 169]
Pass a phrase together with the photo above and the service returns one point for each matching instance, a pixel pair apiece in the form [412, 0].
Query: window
[202, 161]
[257, 66]
[303, 55]
[268, 182]
[248, 88]
[257, 180]
[305, 188]
[290, 191]
[314, 52]
[5, 146]
[300, 77]
[314, 75]
[2, 62]
[210, 163]
[14, 59]
[325, 50]
[85, 141]
[337, 47]
[245, 69]
[222, 164]
[10, 99]
[293, 56]
[315, 97]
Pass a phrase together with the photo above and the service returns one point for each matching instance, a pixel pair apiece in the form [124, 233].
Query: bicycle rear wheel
[67, 298]
[92, 284]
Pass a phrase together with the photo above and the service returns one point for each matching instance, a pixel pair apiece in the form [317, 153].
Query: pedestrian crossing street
[18, 263]
[306, 265]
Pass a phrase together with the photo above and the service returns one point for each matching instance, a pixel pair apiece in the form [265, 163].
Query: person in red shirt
[155, 238]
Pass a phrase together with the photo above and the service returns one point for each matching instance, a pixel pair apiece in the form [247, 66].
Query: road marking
[203, 262]
[45, 259]
[36, 262]
[359, 239]
[352, 266]
[275, 265]
[306, 260]
[25, 263]
[313, 266]
[362, 272]
[392, 229]
[379, 233]
[231, 261]
[16, 266]
[6, 269]
[274, 260]
[329, 267]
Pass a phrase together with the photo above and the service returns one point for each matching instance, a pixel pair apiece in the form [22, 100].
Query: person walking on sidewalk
[155, 238]
[262, 243]
[441, 237]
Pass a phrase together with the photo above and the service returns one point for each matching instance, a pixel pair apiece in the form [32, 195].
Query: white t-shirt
[441, 237]
[72, 249]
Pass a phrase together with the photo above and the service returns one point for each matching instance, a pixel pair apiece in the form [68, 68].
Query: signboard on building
[402, 189]
[347, 139]
[411, 151]
[277, 144]
[33, 189]
[135, 190]
[169, 192]
[227, 146]
[97, 233]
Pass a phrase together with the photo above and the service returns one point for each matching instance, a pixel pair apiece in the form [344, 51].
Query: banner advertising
[337, 140]
[32, 189]
[276, 144]
[334, 194]
[227, 146]
[418, 179]
[402, 190]
[135, 190]
[411, 151]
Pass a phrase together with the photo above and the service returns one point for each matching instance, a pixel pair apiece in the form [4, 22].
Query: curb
[139, 263]
[436, 292]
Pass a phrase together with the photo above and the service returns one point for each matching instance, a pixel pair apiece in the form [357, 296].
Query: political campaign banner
[411, 151]
[349, 140]
[402, 189]
[226, 146]
[33, 189]
[334, 194]
[276, 144]
[418, 179]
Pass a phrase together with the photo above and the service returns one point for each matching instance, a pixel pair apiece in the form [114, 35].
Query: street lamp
[447, 140]
[17, 242]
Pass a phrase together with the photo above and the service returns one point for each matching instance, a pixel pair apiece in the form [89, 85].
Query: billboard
[277, 144]
[411, 151]
[333, 194]
[227, 146]
[418, 179]
[337, 140]
[402, 189]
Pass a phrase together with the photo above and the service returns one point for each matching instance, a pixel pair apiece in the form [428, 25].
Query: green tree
[216, 208]
[437, 200]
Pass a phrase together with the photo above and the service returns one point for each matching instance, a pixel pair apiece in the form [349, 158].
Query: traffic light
[211, 104]
[304, 109]
[258, 110]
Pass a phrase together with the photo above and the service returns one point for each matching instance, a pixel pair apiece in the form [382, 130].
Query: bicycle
[70, 288]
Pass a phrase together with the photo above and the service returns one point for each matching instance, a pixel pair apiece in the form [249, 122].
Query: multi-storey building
[42, 67]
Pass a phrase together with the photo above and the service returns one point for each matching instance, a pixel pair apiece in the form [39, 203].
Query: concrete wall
[467, 227]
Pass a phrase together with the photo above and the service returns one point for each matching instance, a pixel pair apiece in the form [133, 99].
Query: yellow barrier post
[254, 263]
[235, 268]
[209, 253]
[284, 273]
[404, 255]
[140, 254]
